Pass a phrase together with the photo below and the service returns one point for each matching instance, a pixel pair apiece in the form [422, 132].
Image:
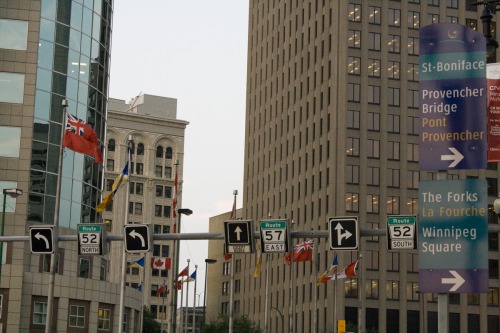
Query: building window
[393, 150]
[373, 94]
[413, 20]
[413, 179]
[393, 121]
[11, 87]
[432, 18]
[473, 299]
[103, 270]
[84, 268]
[412, 291]
[46, 263]
[352, 119]
[39, 313]
[493, 296]
[452, 19]
[158, 170]
[471, 23]
[352, 202]
[493, 268]
[168, 192]
[394, 43]
[372, 203]
[168, 153]
[374, 41]
[354, 39]
[159, 191]
[373, 148]
[159, 152]
[354, 12]
[110, 165]
[374, 67]
[139, 168]
[393, 70]
[111, 145]
[373, 121]
[353, 92]
[394, 17]
[14, 35]
[104, 319]
[168, 172]
[351, 288]
[393, 96]
[393, 177]
[412, 72]
[412, 152]
[392, 205]
[373, 176]
[226, 268]
[76, 316]
[413, 48]
[225, 288]
[352, 174]
[374, 14]
[392, 290]
[372, 289]
[352, 146]
[109, 184]
[354, 65]
[412, 125]
[452, 4]
[139, 188]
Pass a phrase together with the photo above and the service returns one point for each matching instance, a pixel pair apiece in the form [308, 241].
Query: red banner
[493, 77]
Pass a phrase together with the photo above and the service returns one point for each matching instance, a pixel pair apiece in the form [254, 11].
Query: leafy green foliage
[149, 323]
[240, 324]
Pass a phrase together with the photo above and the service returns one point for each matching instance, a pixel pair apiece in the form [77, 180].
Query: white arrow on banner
[457, 280]
[134, 234]
[238, 232]
[456, 157]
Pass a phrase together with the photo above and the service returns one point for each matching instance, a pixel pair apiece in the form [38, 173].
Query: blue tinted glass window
[14, 34]
[11, 87]
[49, 9]
[47, 30]
[45, 54]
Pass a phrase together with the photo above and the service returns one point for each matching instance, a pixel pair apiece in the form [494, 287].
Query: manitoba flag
[160, 263]
[81, 138]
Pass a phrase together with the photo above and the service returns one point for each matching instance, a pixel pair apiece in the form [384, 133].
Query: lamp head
[185, 211]
[210, 261]
[12, 192]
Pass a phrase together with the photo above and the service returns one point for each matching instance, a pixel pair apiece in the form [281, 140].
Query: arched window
[140, 149]
[159, 151]
[168, 153]
[111, 145]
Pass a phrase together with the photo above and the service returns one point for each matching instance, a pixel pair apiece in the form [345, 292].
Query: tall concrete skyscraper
[332, 129]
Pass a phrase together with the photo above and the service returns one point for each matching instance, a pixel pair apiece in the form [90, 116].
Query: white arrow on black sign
[341, 235]
[40, 236]
[134, 234]
[456, 157]
[457, 280]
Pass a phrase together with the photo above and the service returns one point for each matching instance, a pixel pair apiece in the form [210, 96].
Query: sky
[196, 52]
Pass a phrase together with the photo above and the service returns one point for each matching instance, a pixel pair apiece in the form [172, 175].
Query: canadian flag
[161, 263]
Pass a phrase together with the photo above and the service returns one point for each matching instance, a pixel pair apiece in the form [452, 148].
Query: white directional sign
[344, 233]
[238, 236]
[91, 239]
[401, 232]
[274, 236]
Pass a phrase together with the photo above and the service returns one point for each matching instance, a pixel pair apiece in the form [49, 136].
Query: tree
[240, 324]
[149, 323]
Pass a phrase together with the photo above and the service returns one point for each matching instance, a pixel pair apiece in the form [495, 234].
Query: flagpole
[124, 253]
[53, 256]
[315, 315]
[186, 314]
[335, 299]
[181, 322]
[292, 283]
[163, 304]
[175, 254]
[194, 298]
[235, 193]
[267, 293]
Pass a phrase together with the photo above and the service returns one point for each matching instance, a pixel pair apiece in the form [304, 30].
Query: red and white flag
[184, 272]
[161, 291]
[301, 252]
[80, 137]
[348, 272]
[161, 263]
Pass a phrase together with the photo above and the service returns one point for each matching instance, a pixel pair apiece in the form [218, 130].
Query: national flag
[325, 273]
[139, 287]
[184, 272]
[123, 177]
[301, 252]
[137, 263]
[161, 291]
[80, 137]
[257, 264]
[179, 284]
[348, 272]
[161, 263]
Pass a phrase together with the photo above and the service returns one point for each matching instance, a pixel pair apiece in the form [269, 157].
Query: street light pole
[13, 193]
[187, 212]
[282, 319]
[207, 261]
